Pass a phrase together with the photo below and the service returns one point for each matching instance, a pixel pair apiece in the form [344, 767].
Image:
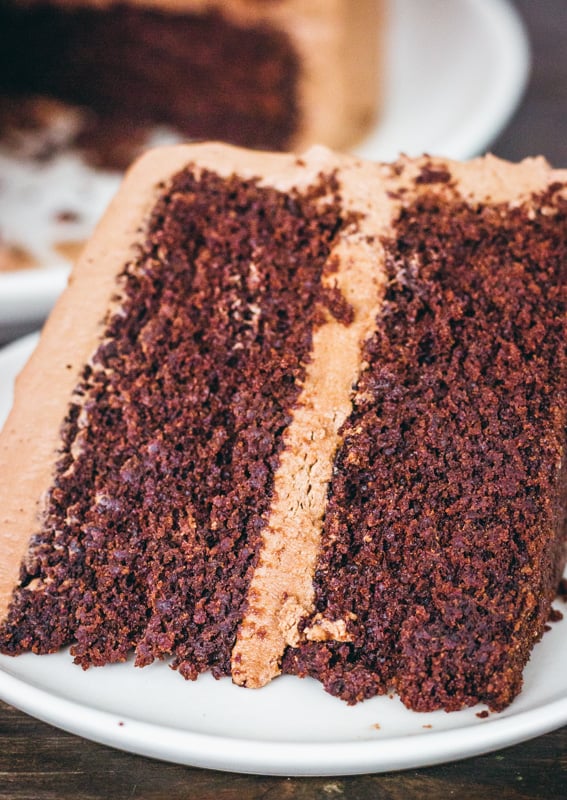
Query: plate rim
[504, 23]
[247, 755]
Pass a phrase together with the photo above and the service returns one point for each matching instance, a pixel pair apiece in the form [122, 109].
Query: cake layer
[303, 414]
[275, 75]
[445, 527]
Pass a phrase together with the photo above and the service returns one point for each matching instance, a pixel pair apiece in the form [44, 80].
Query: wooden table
[40, 762]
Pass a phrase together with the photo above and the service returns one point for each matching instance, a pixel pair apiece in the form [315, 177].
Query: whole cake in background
[302, 415]
[100, 75]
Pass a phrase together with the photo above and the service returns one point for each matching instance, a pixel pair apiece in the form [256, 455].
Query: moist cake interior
[439, 513]
[443, 536]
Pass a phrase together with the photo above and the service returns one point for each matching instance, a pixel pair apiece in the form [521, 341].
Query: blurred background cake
[269, 74]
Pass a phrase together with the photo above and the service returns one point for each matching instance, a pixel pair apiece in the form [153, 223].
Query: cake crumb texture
[445, 525]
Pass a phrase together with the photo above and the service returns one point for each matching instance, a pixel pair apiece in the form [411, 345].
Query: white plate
[291, 727]
[456, 71]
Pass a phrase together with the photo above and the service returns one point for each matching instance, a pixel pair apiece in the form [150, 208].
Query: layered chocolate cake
[276, 74]
[301, 415]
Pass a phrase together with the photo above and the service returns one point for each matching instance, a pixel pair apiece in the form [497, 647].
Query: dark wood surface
[540, 124]
[38, 761]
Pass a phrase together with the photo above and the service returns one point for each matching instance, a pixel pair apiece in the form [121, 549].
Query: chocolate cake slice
[301, 415]
[275, 74]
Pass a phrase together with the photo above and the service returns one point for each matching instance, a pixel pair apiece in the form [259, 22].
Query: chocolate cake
[275, 74]
[301, 415]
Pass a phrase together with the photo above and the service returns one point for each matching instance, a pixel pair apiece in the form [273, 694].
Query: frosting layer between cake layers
[312, 420]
